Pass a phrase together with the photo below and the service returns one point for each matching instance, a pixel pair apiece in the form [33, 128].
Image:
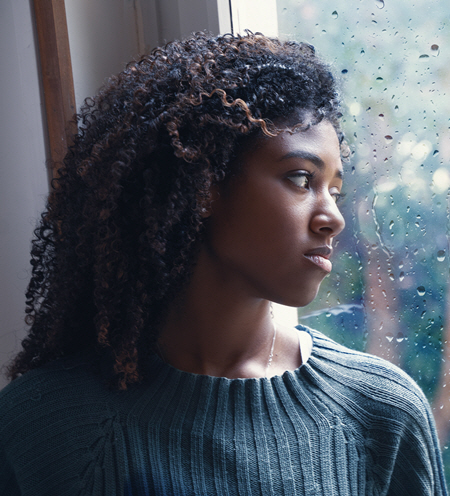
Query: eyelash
[339, 197]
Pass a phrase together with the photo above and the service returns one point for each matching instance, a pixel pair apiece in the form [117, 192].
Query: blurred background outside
[388, 293]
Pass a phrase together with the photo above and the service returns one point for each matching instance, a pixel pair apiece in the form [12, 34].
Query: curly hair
[120, 233]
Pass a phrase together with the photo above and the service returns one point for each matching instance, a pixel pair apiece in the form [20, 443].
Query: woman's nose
[327, 218]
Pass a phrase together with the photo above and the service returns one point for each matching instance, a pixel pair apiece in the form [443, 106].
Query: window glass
[388, 292]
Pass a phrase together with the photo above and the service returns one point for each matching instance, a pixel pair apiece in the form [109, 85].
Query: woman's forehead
[318, 138]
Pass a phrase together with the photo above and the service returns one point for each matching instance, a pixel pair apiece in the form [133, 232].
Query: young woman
[202, 185]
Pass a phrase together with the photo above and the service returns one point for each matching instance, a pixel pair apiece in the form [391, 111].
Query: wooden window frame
[57, 78]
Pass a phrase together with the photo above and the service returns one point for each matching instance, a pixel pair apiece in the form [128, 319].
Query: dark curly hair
[120, 233]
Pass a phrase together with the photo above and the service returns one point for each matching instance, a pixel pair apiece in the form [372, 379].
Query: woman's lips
[319, 256]
[321, 262]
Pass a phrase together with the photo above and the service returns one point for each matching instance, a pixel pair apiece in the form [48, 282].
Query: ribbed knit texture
[345, 423]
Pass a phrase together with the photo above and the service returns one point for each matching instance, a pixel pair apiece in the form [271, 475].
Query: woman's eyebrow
[311, 157]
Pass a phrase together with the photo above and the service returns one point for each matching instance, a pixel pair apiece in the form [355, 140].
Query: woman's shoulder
[331, 353]
[370, 378]
[39, 392]
[381, 402]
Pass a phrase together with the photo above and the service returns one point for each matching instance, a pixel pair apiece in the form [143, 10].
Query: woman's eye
[301, 179]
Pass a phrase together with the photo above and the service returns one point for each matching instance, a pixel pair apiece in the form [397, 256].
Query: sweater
[344, 423]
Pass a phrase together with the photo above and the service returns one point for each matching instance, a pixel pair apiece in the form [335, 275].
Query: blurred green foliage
[393, 61]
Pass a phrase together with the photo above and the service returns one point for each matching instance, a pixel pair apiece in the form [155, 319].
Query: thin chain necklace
[269, 362]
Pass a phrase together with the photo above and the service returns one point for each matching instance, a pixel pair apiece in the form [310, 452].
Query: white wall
[256, 15]
[179, 18]
[23, 176]
[103, 35]
[106, 34]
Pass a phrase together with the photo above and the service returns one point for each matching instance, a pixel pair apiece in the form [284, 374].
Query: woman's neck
[218, 337]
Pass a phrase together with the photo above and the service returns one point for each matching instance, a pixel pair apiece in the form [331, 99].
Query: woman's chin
[301, 299]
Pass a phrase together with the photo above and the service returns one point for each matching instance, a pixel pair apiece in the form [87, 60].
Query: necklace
[269, 362]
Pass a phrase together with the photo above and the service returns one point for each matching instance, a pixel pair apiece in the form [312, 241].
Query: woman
[202, 186]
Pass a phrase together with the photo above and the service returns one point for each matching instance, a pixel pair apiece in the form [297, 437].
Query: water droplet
[435, 152]
[401, 276]
[391, 276]
[362, 51]
[389, 337]
[391, 224]
[420, 290]
[334, 14]
[441, 255]
[344, 71]
[435, 50]
[396, 108]
[379, 4]
[388, 137]
[381, 116]
[400, 337]
[424, 56]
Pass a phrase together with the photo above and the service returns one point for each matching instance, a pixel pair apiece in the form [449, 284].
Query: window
[389, 291]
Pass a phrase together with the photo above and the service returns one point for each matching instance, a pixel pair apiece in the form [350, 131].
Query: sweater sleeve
[439, 469]
[418, 468]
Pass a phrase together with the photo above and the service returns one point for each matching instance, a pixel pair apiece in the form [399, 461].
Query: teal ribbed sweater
[345, 423]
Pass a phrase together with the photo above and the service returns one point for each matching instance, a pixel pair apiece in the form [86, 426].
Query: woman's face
[271, 229]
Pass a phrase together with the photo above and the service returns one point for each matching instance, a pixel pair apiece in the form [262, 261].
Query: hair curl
[120, 232]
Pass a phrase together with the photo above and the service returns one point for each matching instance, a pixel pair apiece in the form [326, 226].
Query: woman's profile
[203, 184]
